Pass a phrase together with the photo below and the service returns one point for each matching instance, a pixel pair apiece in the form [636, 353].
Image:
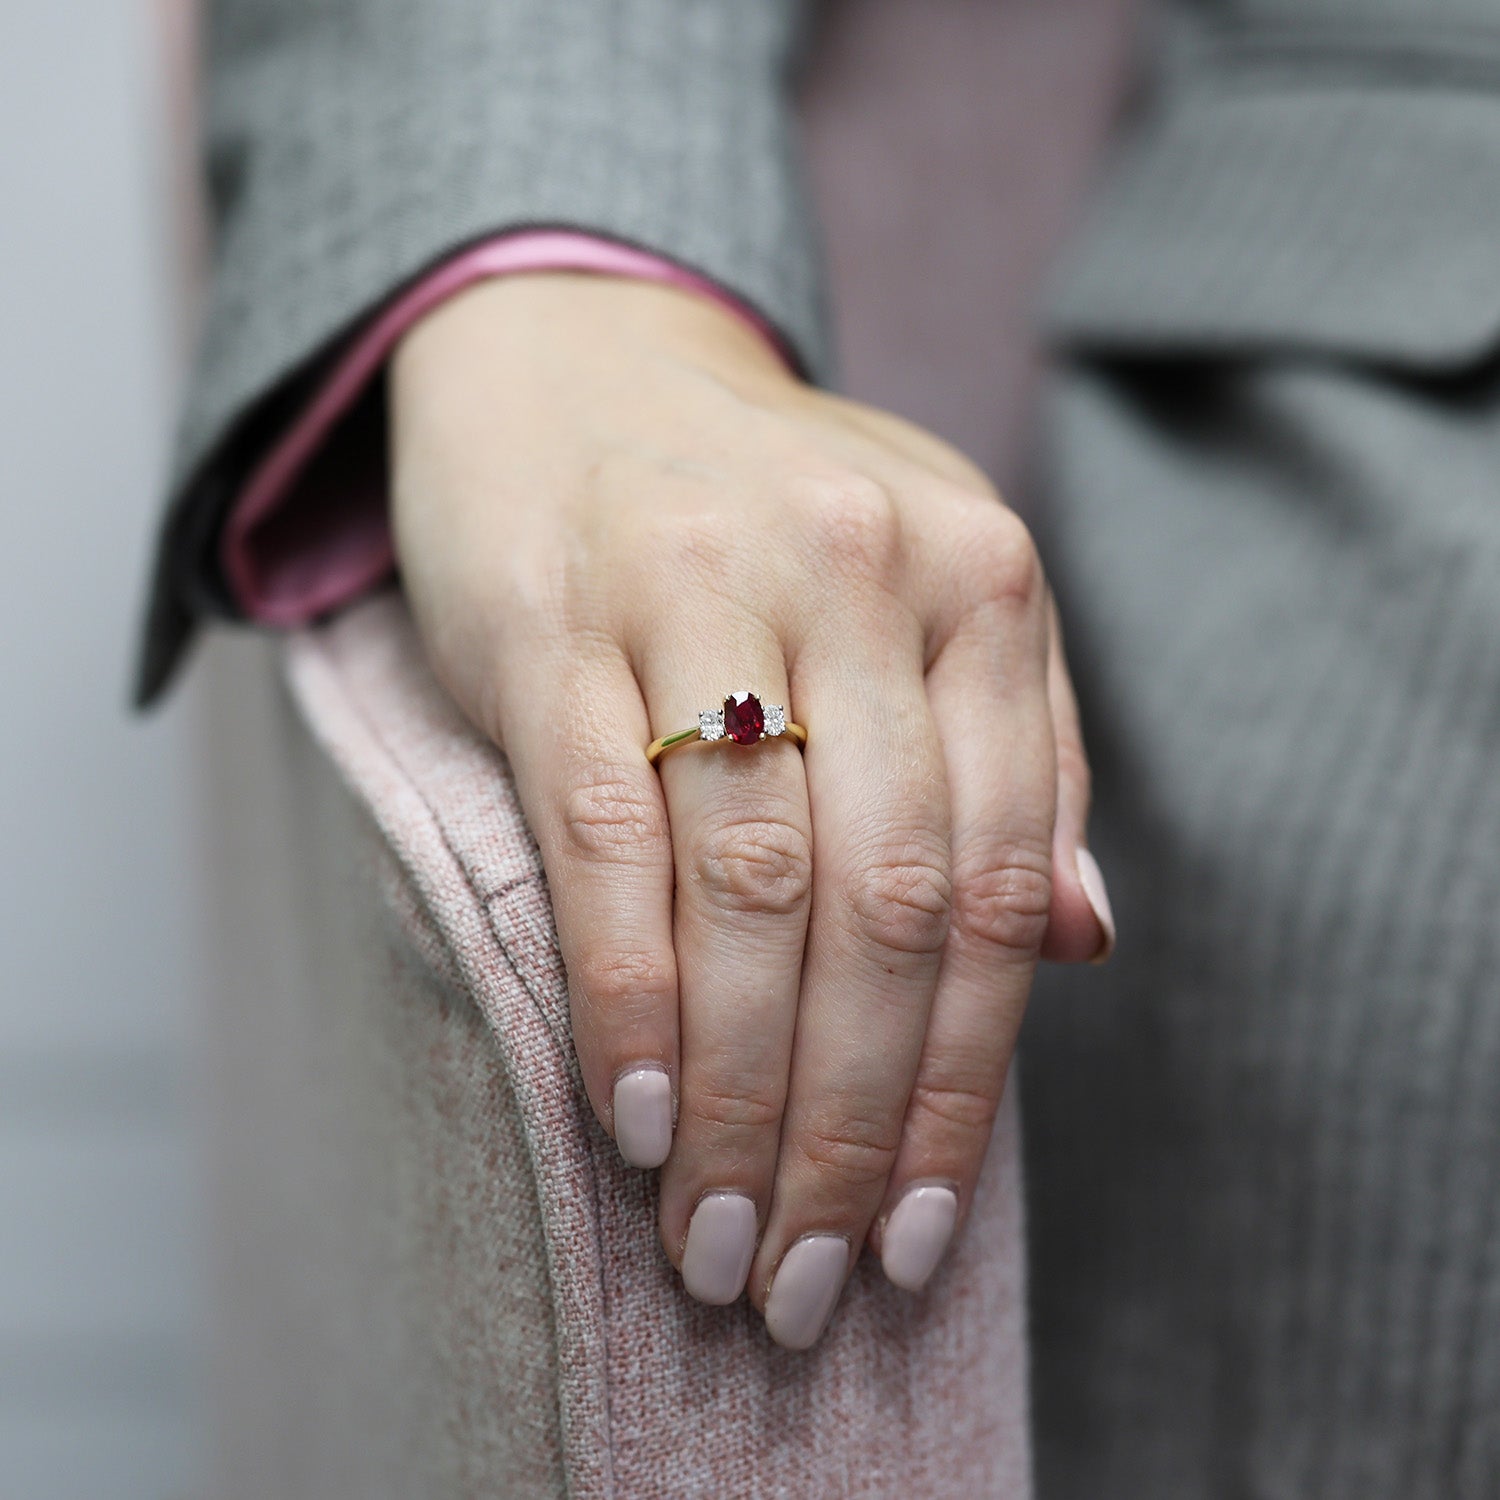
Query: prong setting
[743, 720]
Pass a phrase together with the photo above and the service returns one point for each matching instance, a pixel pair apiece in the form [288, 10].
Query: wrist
[589, 315]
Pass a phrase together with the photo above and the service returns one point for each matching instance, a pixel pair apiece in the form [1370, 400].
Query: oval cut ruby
[744, 720]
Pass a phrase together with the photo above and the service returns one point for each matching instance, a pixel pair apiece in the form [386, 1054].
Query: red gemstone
[744, 721]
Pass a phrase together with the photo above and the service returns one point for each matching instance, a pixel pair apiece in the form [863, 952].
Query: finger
[1082, 926]
[741, 836]
[880, 911]
[988, 691]
[575, 733]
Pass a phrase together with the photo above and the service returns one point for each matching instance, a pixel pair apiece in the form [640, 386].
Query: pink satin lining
[310, 530]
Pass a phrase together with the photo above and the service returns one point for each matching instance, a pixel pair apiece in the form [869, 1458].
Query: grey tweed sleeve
[352, 144]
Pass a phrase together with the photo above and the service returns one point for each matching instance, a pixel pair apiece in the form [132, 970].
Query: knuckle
[1003, 899]
[1002, 561]
[610, 815]
[734, 1108]
[855, 521]
[761, 866]
[625, 986]
[902, 903]
[967, 1108]
[855, 1154]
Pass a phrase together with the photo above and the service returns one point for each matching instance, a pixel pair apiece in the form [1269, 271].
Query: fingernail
[917, 1234]
[720, 1246]
[806, 1290]
[1092, 879]
[643, 1116]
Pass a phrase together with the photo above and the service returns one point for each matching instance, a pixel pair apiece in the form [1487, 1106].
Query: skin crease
[613, 504]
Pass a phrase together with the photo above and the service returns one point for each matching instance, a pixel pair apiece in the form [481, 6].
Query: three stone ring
[741, 721]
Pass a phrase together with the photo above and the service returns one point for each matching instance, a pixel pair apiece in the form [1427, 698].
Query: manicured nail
[643, 1116]
[720, 1246]
[916, 1235]
[1092, 878]
[806, 1290]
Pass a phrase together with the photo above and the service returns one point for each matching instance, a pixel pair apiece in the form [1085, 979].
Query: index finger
[576, 741]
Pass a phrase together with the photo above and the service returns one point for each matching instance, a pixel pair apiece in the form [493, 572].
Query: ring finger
[742, 845]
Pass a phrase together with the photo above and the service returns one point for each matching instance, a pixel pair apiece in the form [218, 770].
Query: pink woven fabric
[658, 1395]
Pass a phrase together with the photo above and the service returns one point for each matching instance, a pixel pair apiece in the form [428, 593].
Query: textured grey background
[99, 1292]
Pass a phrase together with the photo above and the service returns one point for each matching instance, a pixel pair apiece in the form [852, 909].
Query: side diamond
[711, 724]
[775, 719]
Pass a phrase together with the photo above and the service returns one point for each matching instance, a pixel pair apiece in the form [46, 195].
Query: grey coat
[1265, 1167]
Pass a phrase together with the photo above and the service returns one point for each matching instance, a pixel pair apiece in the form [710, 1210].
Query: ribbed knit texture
[1265, 1166]
[353, 143]
[1265, 1169]
[445, 1282]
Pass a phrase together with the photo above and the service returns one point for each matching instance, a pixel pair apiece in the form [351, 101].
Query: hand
[612, 506]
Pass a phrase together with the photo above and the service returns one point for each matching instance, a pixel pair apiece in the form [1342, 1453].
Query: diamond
[744, 721]
[775, 719]
[711, 724]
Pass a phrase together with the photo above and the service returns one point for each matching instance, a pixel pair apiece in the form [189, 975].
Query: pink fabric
[658, 1395]
[310, 530]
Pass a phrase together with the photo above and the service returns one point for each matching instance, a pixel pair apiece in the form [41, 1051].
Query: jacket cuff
[353, 145]
[310, 529]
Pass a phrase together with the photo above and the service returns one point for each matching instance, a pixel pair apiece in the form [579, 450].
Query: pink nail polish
[917, 1234]
[806, 1289]
[1091, 877]
[643, 1116]
[720, 1246]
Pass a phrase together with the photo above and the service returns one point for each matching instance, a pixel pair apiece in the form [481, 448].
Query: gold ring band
[743, 720]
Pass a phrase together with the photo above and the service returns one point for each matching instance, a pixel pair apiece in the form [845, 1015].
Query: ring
[741, 721]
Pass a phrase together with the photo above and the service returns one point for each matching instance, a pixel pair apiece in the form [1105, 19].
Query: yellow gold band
[659, 746]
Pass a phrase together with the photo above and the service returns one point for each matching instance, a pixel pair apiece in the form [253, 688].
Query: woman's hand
[613, 505]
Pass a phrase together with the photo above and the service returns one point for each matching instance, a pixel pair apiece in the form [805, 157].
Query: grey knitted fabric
[1264, 1163]
[1265, 1166]
[354, 143]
